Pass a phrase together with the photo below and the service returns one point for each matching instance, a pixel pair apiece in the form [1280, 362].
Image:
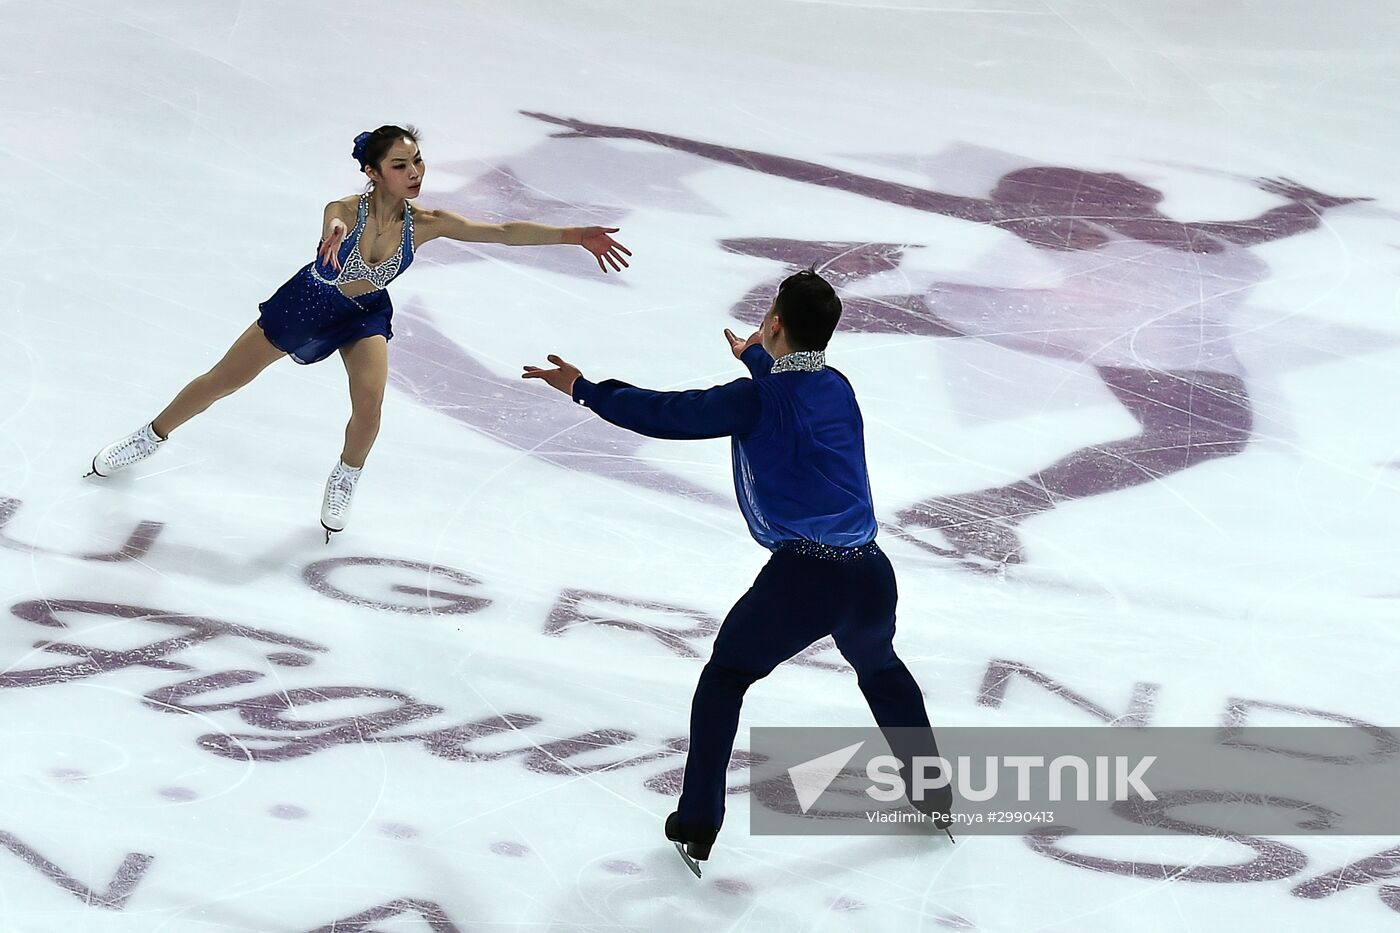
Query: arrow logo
[811, 778]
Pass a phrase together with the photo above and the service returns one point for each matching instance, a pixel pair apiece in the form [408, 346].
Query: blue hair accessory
[358, 152]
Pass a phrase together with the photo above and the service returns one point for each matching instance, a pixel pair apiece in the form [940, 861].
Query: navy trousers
[797, 599]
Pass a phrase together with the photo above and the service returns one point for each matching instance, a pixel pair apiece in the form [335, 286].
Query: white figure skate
[340, 492]
[117, 456]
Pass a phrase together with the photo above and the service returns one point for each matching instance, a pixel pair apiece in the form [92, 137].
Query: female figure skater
[339, 302]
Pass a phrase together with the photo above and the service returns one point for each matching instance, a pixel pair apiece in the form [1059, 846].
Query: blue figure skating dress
[309, 318]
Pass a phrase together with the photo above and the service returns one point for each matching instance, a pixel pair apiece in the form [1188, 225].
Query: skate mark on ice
[178, 794]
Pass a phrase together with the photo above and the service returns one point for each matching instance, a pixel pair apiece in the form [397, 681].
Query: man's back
[801, 472]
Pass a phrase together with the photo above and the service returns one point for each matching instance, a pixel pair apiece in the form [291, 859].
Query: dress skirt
[309, 319]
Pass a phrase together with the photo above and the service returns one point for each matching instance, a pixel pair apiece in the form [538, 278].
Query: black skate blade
[950, 835]
[329, 532]
[690, 862]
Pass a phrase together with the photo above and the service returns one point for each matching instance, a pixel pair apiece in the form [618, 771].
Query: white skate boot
[340, 491]
[133, 448]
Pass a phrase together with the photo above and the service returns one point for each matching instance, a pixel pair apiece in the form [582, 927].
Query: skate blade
[690, 862]
[329, 531]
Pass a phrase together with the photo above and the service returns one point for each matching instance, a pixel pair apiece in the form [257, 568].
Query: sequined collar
[800, 361]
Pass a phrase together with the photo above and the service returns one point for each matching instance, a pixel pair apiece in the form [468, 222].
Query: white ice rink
[463, 713]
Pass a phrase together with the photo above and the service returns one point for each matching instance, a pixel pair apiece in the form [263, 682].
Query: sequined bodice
[353, 267]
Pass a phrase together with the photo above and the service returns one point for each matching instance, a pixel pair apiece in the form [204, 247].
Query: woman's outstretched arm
[597, 240]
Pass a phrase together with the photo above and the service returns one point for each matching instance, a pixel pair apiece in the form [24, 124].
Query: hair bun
[359, 151]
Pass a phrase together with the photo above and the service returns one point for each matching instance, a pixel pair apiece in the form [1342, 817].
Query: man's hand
[562, 377]
[737, 346]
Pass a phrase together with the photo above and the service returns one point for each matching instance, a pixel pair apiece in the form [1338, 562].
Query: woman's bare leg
[249, 355]
[367, 364]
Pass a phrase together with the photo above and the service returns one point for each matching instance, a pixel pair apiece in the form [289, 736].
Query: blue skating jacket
[798, 445]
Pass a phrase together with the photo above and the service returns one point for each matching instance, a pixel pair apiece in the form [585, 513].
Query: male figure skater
[800, 477]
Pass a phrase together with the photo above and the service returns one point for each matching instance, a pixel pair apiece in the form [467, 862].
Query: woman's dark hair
[809, 309]
[371, 147]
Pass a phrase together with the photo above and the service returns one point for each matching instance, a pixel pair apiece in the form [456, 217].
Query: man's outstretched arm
[694, 414]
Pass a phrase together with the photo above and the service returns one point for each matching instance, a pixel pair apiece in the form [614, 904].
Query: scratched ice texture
[1121, 290]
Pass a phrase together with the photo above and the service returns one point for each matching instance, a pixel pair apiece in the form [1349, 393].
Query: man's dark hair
[809, 309]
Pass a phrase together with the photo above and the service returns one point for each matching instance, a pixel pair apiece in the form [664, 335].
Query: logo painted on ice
[1147, 304]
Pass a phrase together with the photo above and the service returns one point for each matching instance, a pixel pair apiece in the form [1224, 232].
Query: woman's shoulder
[346, 205]
[426, 221]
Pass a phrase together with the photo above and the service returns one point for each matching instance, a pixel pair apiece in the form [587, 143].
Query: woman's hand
[328, 253]
[598, 242]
